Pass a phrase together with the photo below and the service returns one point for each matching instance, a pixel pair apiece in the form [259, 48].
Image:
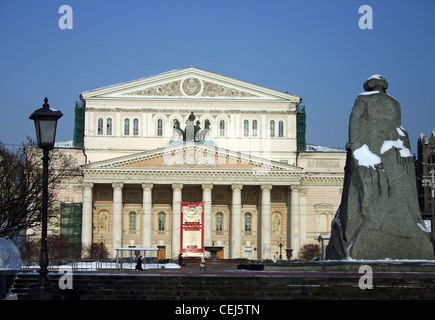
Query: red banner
[192, 229]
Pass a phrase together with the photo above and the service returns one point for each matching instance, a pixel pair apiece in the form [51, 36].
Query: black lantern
[45, 126]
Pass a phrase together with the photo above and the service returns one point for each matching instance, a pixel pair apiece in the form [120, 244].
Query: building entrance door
[161, 254]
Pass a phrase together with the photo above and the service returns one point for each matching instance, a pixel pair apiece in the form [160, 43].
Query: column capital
[207, 186]
[266, 187]
[147, 185]
[87, 185]
[177, 186]
[117, 185]
[295, 188]
[236, 186]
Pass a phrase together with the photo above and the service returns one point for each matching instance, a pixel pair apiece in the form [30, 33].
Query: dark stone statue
[192, 132]
[379, 216]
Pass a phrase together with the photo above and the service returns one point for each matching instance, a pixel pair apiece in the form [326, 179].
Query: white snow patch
[376, 76]
[366, 158]
[422, 227]
[368, 93]
[398, 144]
[400, 132]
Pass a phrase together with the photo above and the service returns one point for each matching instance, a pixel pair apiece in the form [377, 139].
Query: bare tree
[21, 186]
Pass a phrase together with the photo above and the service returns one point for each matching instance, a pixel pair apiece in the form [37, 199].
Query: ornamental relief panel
[163, 90]
[323, 163]
[191, 87]
[216, 90]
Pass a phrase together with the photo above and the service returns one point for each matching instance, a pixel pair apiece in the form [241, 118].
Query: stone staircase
[228, 285]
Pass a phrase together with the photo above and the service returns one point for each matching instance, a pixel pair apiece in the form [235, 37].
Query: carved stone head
[376, 83]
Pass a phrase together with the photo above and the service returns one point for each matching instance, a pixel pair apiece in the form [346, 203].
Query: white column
[265, 222]
[87, 216]
[176, 220]
[117, 217]
[147, 208]
[236, 222]
[289, 212]
[295, 220]
[206, 197]
[303, 216]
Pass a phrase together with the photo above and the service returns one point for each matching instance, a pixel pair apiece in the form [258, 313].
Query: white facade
[258, 191]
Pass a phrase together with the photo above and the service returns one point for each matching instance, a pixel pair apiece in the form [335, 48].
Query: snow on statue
[379, 216]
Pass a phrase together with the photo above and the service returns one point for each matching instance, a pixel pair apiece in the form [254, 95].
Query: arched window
[160, 127]
[246, 128]
[100, 126]
[109, 127]
[248, 222]
[162, 221]
[135, 127]
[219, 221]
[272, 128]
[132, 222]
[254, 128]
[222, 128]
[281, 129]
[127, 127]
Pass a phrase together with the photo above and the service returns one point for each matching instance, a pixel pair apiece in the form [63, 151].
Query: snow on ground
[94, 266]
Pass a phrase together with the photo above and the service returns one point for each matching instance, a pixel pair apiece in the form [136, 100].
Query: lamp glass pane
[47, 132]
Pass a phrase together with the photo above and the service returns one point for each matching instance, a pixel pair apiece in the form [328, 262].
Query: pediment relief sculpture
[170, 89]
[190, 159]
[216, 90]
[191, 87]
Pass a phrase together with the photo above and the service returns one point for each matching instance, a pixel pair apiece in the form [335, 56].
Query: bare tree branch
[21, 186]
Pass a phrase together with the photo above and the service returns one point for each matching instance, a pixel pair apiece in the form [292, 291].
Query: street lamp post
[45, 126]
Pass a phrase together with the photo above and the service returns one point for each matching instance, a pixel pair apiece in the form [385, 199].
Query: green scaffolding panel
[301, 128]
[71, 221]
[79, 125]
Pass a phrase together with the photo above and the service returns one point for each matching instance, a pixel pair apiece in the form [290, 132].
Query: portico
[128, 202]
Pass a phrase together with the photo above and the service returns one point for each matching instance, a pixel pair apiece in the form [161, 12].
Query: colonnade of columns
[235, 249]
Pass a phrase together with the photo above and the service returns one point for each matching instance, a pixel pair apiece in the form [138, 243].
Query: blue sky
[314, 49]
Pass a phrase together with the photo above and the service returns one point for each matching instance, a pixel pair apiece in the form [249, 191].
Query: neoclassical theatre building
[191, 158]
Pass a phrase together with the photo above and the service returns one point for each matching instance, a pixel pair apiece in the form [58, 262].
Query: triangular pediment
[192, 156]
[188, 83]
